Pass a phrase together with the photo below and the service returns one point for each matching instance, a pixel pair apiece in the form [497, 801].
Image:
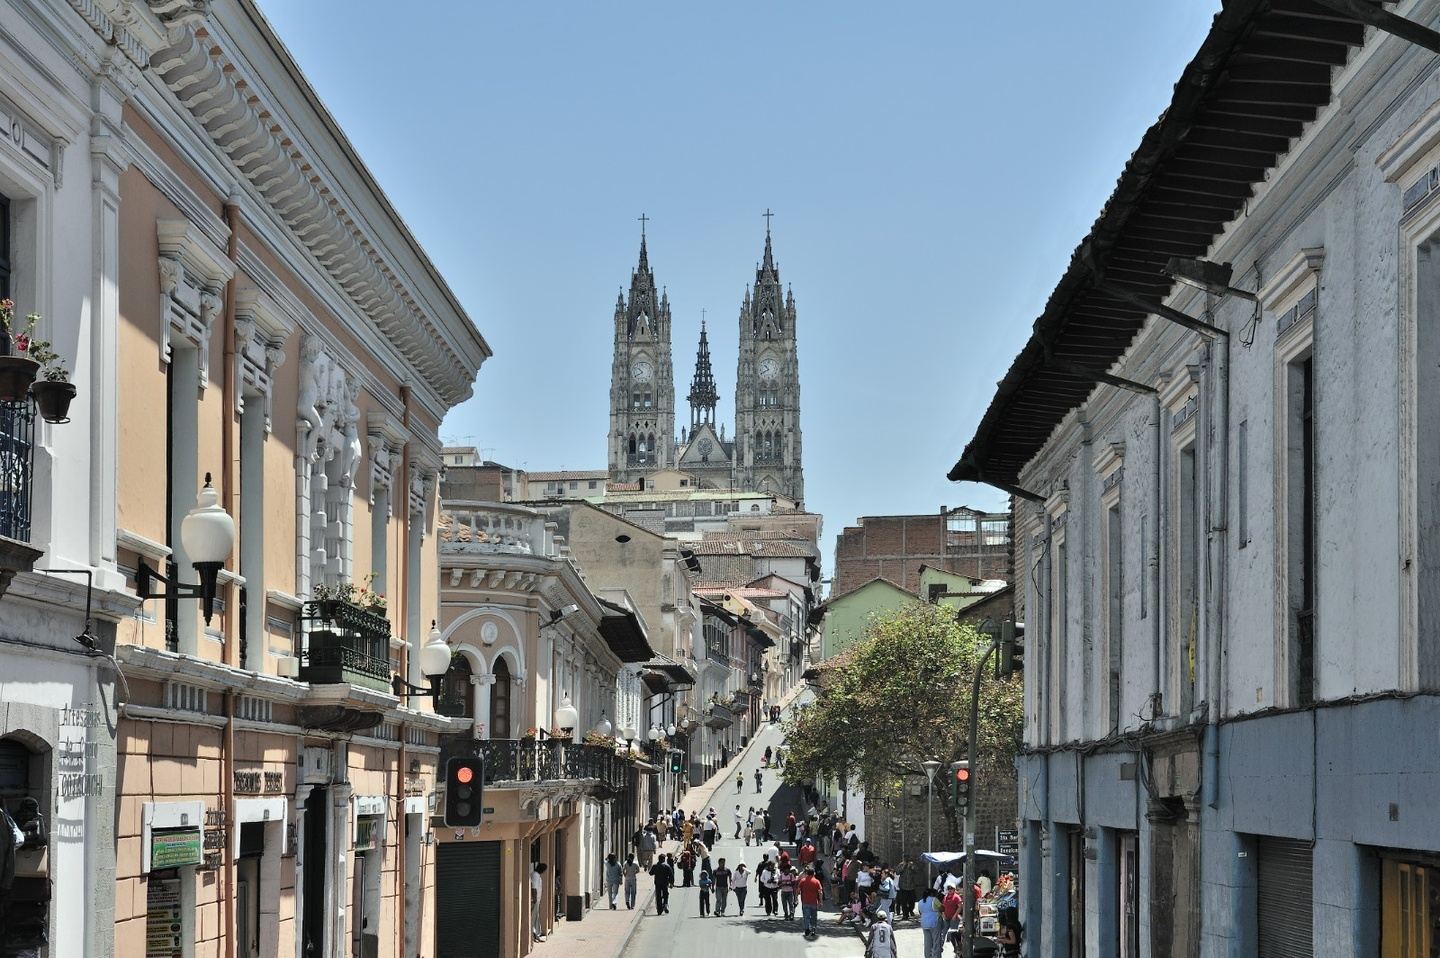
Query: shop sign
[163, 923]
[365, 832]
[174, 847]
[257, 782]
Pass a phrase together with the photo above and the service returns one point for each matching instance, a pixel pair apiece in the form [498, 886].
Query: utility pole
[930, 765]
[967, 921]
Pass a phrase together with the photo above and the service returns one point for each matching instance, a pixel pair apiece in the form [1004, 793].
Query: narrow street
[684, 932]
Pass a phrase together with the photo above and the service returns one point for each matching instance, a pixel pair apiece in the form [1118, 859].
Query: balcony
[521, 762]
[345, 644]
[17, 460]
[492, 528]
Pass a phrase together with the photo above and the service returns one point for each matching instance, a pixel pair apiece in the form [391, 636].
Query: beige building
[532, 641]
[264, 320]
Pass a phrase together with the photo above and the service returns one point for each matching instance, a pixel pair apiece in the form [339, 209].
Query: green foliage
[902, 695]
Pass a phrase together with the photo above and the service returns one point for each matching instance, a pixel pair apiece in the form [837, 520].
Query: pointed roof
[702, 388]
[643, 277]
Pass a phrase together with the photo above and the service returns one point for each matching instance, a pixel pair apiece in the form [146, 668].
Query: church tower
[642, 380]
[767, 387]
[703, 395]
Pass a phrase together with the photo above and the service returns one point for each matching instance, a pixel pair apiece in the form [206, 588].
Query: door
[1129, 895]
[1286, 911]
[1077, 893]
[467, 900]
[314, 917]
[1410, 909]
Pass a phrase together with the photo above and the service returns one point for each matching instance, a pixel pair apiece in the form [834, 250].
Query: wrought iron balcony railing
[17, 463]
[345, 643]
[534, 760]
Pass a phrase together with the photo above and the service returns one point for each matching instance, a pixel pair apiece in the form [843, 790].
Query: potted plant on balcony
[53, 392]
[17, 367]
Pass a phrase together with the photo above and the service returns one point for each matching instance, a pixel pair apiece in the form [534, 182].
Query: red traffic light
[464, 774]
[962, 775]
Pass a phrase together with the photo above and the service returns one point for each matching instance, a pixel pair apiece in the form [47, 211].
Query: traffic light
[960, 790]
[1012, 649]
[464, 787]
[676, 765]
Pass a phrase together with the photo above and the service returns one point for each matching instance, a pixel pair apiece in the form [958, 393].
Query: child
[852, 912]
[705, 882]
[749, 832]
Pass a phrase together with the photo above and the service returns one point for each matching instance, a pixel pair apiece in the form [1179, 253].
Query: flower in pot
[53, 393]
[18, 366]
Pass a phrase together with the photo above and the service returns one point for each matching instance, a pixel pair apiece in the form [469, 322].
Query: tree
[899, 696]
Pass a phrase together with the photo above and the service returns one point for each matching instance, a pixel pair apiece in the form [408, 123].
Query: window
[1115, 609]
[500, 699]
[1299, 476]
[1409, 908]
[457, 692]
[574, 485]
[1059, 627]
[648, 403]
[935, 591]
[1187, 568]
[1242, 485]
[593, 484]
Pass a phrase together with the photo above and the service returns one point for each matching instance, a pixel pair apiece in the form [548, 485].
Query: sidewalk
[603, 933]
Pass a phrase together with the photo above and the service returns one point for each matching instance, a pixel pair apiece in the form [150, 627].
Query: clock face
[641, 372]
[769, 369]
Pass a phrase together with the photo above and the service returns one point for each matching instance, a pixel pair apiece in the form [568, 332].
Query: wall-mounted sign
[163, 926]
[174, 847]
[258, 782]
[365, 832]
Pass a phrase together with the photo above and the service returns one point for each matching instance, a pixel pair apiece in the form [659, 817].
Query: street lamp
[671, 730]
[435, 658]
[566, 718]
[930, 766]
[654, 733]
[603, 728]
[207, 533]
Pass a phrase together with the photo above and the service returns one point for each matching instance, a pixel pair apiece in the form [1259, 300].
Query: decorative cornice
[211, 85]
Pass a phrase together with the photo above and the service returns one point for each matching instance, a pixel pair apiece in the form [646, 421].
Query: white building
[1225, 535]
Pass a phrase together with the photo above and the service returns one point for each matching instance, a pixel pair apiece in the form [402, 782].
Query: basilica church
[762, 453]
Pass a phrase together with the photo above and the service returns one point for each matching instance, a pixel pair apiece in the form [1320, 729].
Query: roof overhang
[624, 633]
[1261, 75]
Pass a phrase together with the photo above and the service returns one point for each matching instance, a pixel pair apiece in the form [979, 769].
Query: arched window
[500, 700]
[457, 694]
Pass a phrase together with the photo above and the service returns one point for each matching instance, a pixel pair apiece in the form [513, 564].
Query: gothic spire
[703, 395]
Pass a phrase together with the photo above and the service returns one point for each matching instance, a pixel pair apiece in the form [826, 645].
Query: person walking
[687, 832]
[888, 890]
[951, 907]
[707, 830]
[806, 853]
[779, 758]
[632, 873]
[722, 876]
[614, 874]
[739, 821]
[741, 882]
[768, 754]
[769, 876]
[687, 866]
[759, 780]
[749, 832]
[706, 882]
[809, 889]
[537, 894]
[932, 924]
[788, 879]
[664, 876]
[740, 781]
[790, 828]
[882, 937]
[908, 878]
[646, 846]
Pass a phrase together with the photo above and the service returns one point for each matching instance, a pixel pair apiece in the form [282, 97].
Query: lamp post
[435, 658]
[567, 719]
[207, 534]
[930, 765]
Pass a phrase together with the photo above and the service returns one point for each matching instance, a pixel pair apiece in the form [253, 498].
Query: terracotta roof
[566, 476]
[761, 535]
[743, 591]
[622, 487]
[753, 547]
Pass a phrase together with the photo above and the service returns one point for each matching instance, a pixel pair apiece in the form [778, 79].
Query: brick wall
[895, 547]
[899, 828]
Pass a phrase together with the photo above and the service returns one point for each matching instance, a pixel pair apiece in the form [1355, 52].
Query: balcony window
[500, 700]
[457, 692]
[345, 644]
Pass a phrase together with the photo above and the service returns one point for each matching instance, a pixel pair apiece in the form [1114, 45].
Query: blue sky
[931, 167]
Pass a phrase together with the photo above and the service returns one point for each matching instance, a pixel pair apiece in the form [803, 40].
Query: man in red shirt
[950, 908]
[809, 889]
[807, 853]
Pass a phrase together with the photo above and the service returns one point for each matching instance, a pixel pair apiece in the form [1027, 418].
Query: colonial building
[1226, 512]
[532, 642]
[252, 332]
[764, 451]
